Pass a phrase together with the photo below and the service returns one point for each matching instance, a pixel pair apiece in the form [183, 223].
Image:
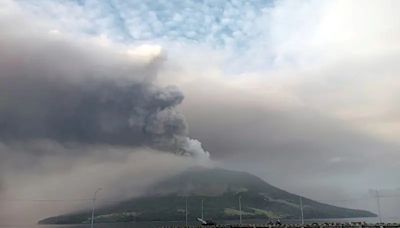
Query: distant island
[219, 189]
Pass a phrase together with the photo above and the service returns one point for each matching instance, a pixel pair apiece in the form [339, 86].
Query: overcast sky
[304, 94]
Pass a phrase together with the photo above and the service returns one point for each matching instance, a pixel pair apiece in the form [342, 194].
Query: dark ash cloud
[75, 116]
[55, 89]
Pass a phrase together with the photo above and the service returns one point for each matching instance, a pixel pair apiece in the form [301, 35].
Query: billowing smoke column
[77, 113]
[75, 93]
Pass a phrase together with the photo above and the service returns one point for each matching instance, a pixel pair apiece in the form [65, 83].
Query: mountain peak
[202, 181]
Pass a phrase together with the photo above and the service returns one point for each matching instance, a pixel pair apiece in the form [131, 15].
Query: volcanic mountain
[219, 189]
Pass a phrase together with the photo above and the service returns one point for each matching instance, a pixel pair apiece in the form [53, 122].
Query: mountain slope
[219, 189]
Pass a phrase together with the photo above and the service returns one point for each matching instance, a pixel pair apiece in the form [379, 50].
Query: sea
[182, 223]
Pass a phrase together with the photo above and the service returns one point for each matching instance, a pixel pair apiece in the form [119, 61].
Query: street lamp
[186, 211]
[202, 211]
[301, 210]
[240, 210]
[93, 205]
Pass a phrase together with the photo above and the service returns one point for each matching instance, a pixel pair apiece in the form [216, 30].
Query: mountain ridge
[219, 189]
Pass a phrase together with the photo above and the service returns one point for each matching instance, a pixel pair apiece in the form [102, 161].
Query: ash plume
[76, 115]
[71, 92]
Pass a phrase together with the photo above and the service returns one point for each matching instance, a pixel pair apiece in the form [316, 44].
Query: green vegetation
[219, 189]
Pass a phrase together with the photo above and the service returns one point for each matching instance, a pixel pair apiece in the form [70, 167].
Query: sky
[304, 94]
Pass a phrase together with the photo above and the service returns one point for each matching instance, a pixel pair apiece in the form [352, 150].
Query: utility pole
[301, 210]
[240, 210]
[93, 206]
[202, 211]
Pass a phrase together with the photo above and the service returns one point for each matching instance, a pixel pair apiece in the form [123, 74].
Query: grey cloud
[75, 116]
[296, 137]
[56, 89]
[294, 147]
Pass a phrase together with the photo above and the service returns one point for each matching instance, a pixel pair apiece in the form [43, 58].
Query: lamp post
[202, 211]
[240, 210]
[301, 210]
[93, 205]
[186, 211]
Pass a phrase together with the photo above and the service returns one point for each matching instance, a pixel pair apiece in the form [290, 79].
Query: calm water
[160, 224]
